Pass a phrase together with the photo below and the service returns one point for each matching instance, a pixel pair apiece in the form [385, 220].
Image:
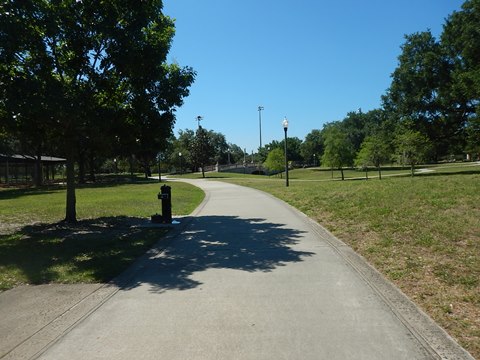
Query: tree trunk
[148, 171]
[413, 169]
[379, 173]
[71, 212]
[91, 169]
[341, 170]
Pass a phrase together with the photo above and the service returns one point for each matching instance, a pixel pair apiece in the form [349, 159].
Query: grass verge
[36, 247]
[422, 233]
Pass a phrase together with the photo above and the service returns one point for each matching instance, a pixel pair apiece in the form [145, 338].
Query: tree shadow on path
[219, 242]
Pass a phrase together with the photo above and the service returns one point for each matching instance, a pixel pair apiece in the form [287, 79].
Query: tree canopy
[275, 161]
[75, 74]
[339, 150]
[435, 89]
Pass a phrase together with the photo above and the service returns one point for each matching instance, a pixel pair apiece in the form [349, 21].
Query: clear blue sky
[312, 61]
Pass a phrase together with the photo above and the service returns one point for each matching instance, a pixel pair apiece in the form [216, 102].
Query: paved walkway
[248, 277]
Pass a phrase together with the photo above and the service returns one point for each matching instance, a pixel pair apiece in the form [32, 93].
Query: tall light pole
[159, 157]
[198, 119]
[285, 128]
[260, 108]
[180, 157]
[116, 168]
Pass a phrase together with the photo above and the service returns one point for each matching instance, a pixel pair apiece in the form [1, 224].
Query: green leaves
[437, 82]
[374, 151]
[90, 76]
[339, 151]
[412, 148]
[275, 161]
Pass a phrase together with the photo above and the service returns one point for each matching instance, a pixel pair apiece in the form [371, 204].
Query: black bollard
[165, 195]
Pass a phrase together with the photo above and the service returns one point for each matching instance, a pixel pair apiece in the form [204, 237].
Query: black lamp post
[260, 108]
[159, 168]
[285, 128]
[198, 119]
[180, 157]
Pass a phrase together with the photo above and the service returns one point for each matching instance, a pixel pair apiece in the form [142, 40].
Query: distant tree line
[429, 113]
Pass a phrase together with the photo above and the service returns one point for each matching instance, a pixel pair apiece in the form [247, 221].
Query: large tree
[236, 153]
[436, 86]
[461, 43]
[275, 161]
[312, 147]
[202, 149]
[220, 147]
[294, 148]
[373, 151]
[339, 151]
[412, 148]
[77, 64]
[416, 91]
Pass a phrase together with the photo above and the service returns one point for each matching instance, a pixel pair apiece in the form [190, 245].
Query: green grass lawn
[423, 233]
[326, 174]
[36, 247]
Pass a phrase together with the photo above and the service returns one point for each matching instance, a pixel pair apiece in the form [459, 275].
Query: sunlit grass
[36, 247]
[25, 206]
[423, 233]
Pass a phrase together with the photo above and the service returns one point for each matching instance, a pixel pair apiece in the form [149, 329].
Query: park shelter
[20, 169]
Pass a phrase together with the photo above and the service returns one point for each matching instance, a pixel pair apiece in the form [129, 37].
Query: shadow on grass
[91, 251]
[219, 242]
[16, 193]
[99, 250]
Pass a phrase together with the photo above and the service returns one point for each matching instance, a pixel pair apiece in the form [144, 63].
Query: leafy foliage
[202, 149]
[374, 151]
[339, 150]
[275, 161]
[312, 146]
[77, 75]
[412, 148]
[436, 86]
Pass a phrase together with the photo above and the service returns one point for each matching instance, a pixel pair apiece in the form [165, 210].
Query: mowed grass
[138, 199]
[36, 247]
[422, 233]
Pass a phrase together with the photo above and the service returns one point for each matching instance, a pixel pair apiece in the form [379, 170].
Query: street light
[285, 128]
[260, 108]
[115, 168]
[198, 119]
[159, 157]
[180, 156]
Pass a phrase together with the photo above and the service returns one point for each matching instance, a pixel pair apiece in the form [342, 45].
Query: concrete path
[249, 277]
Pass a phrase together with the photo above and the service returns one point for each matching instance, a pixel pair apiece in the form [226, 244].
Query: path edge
[432, 336]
